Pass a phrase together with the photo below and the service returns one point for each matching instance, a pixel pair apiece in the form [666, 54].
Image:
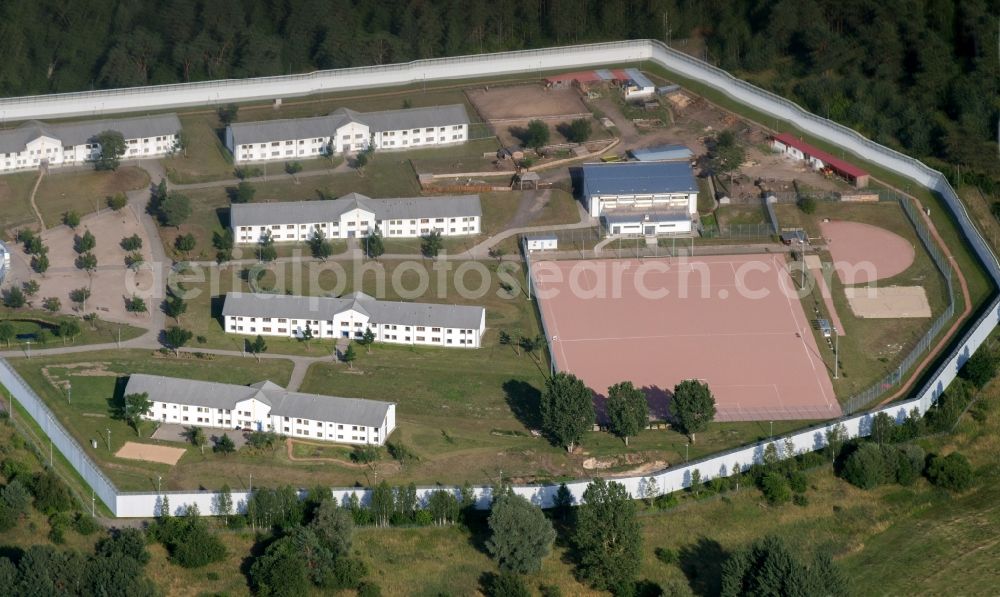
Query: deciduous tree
[692, 407]
[567, 407]
[627, 410]
[520, 534]
[608, 537]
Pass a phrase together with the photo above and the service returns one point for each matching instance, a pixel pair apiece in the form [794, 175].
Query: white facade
[265, 406]
[346, 131]
[256, 416]
[647, 224]
[415, 324]
[542, 243]
[355, 216]
[35, 144]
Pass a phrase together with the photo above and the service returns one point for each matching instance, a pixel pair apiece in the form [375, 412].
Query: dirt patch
[891, 302]
[110, 284]
[78, 369]
[862, 252]
[524, 102]
[150, 453]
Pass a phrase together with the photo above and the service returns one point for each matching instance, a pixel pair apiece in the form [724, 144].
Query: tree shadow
[523, 400]
[600, 409]
[564, 129]
[702, 563]
[222, 214]
[520, 133]
[116, 402]
[658, 400]
[576, 180]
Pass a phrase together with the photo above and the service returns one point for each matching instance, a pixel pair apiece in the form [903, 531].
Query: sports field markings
[661, 336]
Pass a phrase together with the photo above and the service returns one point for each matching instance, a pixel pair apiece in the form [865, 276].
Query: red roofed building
[819, 159]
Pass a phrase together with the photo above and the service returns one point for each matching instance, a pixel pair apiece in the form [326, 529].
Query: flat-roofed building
[35, 144]
[346, 131]
[264, 406]
[354, 216]
[396, 322]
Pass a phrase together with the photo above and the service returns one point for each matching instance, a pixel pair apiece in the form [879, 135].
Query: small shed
[824, 327]
[636, 85]
[531, 178]
[793, 237]
[663, 153]
[542, 242]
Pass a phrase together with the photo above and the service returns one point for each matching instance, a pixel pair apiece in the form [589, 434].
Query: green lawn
[206, 158]
[27, 322]
[97, 380]
[871, 347]
[84, 191]
[15, 197]
[741, 214]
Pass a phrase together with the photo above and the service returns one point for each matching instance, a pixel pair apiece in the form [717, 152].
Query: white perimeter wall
[149, 98]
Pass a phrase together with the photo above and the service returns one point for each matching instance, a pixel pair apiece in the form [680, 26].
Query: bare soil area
[110, 284]
[524, 102]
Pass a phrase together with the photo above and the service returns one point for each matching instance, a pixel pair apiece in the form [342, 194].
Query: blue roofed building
[642, 198]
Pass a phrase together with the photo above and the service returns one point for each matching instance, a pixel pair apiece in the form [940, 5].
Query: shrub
[807, 204]
[347, 573]
[550, 591]
[665, 555]
[775, 488]
[951, 472]
[797, 481]
[865, 467]
[51, 494]
[981, 367]
[117, 202]
[799, 499]
[508, 584]
[369, 589]
[365, 454]
[400, 452]
[908, 463]
[85, 524]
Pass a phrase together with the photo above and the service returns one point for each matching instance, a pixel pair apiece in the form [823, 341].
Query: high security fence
[893, 379]
[61, 439]
[813, 438]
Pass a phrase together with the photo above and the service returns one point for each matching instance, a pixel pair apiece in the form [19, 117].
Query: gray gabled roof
[79, 133]
[412, 118]
[265, 131]
[350, 411]
[310, 212]
[638, 178]
[191, 391]
[327, 308]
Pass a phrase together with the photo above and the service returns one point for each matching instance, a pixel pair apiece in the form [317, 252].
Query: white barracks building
[354, 216]
[345, 131]
[423, 324]
[264, 406]
[35, 143]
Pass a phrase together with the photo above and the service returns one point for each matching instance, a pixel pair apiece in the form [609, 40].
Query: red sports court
[732, 321]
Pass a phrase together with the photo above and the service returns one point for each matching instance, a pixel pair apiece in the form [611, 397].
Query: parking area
[172, 432]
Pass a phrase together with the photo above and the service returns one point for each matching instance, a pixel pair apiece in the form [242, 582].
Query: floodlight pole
[686, 446]
[109, 439]
[69, 395]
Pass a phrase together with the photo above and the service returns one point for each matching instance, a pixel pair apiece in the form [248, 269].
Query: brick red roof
[834, 162]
